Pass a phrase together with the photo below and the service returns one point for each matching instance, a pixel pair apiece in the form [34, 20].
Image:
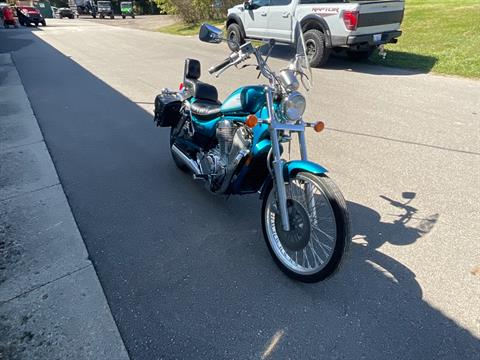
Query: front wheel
[319, 233]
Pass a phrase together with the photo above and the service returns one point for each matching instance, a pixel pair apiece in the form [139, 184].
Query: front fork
[278, 165]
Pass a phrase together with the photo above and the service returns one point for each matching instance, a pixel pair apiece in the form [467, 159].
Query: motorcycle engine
[220, 162]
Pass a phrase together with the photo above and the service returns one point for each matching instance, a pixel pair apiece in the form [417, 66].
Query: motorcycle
[236, 148]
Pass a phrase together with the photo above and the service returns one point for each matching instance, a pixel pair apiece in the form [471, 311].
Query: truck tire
[317, 51]
[234, 33]
[112, 17]
[123, 16]
[357, 55]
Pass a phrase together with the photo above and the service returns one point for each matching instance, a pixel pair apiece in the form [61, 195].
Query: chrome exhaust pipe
[192, 165]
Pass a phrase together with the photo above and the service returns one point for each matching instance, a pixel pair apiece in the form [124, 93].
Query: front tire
[317, 51]
[319, 237]
[234, 33]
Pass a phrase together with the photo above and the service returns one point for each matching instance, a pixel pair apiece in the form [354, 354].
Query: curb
[52, 304]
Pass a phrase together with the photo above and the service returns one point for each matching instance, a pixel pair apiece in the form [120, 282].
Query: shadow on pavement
[412, 63]
[187, 274]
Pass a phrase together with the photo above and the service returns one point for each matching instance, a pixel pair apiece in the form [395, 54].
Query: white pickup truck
[358, 26]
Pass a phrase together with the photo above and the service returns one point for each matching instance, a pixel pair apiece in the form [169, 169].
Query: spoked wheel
[319, 233]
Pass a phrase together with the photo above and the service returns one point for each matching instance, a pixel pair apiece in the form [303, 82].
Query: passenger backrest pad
[192, 69]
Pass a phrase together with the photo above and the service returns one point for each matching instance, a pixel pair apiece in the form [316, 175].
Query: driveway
[187, 275]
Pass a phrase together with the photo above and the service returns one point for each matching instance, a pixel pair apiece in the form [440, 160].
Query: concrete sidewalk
[52, 305]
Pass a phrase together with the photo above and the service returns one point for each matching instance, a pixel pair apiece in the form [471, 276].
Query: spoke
[305, 257]
[325, 248]
[323, 233]
[315, 255]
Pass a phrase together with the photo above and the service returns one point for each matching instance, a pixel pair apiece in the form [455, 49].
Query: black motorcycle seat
[206, 109]
[201, 90]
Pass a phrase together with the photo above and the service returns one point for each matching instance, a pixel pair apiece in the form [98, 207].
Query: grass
[180, 28]
[442, 36]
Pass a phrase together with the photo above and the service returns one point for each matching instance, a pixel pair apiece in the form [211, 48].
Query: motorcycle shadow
[372, 307]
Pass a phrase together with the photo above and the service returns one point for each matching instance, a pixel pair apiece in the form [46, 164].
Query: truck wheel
[234, 33]
[94, 16]
[357, 55]
[112, 17]
[44, 23]
[317, 51]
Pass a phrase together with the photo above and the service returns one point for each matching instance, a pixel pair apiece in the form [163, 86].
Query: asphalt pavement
[188, 276]
[52, 305]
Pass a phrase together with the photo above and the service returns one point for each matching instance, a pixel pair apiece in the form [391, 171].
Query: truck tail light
[350, 19]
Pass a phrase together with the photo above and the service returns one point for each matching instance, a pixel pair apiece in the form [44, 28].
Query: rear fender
[290, 170]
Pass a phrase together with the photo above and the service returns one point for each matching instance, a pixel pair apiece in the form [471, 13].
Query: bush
[193, 11]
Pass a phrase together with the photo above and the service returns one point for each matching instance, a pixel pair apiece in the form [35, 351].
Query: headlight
[293, 106]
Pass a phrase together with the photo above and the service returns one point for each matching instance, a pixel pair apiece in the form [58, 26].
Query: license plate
[377, 37]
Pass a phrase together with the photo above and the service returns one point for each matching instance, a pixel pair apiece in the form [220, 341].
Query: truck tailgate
[379, 16]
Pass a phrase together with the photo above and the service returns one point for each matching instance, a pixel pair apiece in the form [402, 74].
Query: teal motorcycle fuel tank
[244, 101]
[241, 103]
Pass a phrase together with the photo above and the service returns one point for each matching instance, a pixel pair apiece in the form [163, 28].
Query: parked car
[104, 8]
[28, 15]
[6, 13]
[2, 5]
[65, 12]
[358, 26]
[126, 7]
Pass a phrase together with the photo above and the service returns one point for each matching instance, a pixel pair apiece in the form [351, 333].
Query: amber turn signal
[319, 126]
[252, 121]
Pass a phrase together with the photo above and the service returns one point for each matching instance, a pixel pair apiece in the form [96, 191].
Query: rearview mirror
[211, 34]
[247, 4]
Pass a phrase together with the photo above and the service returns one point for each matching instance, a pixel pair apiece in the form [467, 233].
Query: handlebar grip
[220, 66]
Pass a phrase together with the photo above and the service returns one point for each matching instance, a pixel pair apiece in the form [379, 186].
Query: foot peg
[200, 177]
